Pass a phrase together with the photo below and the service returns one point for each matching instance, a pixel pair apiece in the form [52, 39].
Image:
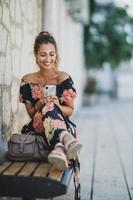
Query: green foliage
[108, 38]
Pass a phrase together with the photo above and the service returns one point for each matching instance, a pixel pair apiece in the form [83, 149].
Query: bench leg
[77, 194]
[76, 179]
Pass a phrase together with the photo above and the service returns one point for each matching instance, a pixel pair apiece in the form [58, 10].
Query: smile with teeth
[47, 64]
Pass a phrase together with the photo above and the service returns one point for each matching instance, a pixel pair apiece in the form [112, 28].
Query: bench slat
[14, 168]
[4, 166]
[55, 174]
[28, 169]
[42, 170]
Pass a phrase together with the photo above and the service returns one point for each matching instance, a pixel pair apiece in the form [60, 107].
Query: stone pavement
[106, 130]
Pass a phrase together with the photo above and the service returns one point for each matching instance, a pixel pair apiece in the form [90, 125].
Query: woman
[48, 95]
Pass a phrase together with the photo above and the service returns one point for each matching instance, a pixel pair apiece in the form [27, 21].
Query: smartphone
[50, 90]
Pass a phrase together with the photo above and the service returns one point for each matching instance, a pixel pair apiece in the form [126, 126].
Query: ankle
[67, 138]
[65, 135]
[59, 147]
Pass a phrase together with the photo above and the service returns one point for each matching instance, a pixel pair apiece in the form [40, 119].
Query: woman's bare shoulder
[29, 77]
[62, 76]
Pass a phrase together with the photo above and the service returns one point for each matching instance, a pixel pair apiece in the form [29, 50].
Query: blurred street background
[95, 42]
[106, 158]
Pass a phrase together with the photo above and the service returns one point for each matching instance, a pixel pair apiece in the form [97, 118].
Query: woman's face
[46, 56]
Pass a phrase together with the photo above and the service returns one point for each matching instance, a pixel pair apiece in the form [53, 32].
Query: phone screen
[50, 90]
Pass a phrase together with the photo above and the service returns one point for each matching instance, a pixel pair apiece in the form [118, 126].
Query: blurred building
[20, 21]
[124, 81]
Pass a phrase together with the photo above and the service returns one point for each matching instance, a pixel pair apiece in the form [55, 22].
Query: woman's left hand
[53, 99]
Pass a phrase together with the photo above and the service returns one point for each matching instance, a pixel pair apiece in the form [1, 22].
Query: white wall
[124, 82]
[20, 21]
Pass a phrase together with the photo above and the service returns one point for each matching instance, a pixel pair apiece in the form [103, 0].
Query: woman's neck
[47, 75]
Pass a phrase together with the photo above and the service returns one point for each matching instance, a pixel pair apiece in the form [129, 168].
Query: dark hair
[45, 37]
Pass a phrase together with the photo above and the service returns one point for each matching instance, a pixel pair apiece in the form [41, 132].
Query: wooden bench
[31, 180]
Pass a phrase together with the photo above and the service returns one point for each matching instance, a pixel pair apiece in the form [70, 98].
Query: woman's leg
[53, 124]
[72, 145]
[56, 131]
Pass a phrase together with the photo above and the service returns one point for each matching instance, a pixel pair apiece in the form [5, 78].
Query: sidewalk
[106, 130]
[107, 157]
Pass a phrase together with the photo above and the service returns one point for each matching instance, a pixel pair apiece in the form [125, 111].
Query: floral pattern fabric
[48, 122]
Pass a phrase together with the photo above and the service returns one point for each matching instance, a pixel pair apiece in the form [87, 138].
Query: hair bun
[44, 33]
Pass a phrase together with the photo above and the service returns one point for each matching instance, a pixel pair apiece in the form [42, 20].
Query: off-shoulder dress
[48, 122]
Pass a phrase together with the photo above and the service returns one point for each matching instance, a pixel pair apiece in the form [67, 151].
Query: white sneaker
[58, 158]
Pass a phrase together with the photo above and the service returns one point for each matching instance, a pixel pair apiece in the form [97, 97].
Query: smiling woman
[46, 56]
[48, 95]
[50, 49]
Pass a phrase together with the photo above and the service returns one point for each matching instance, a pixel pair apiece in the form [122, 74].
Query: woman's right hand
[40, 103]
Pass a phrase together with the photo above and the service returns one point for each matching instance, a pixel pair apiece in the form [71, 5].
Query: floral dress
[48, 122]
